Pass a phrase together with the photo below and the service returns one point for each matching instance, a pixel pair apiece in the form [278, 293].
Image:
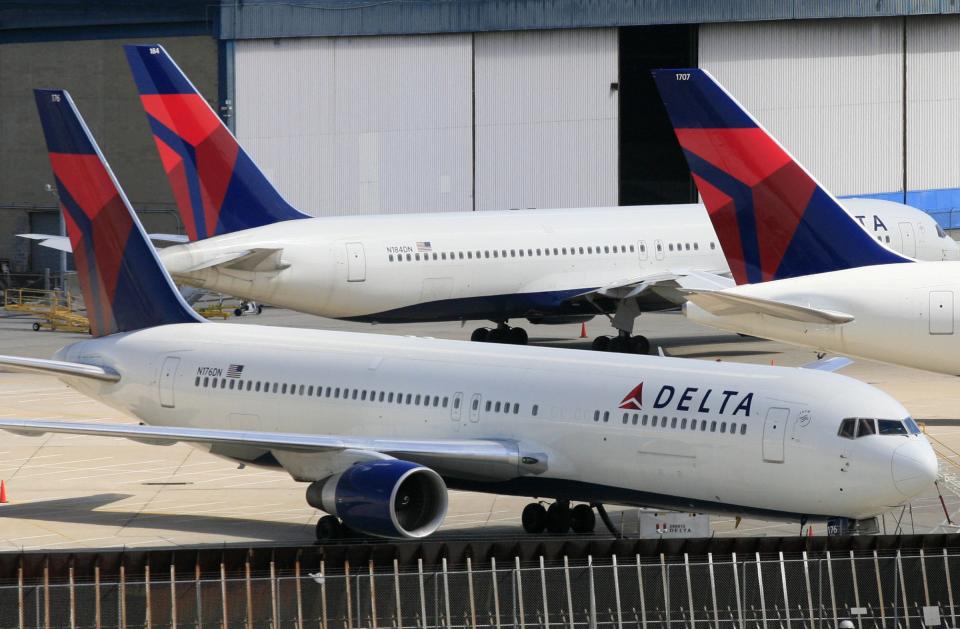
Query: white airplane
[806, 273]
[548, 266]
[381, 426]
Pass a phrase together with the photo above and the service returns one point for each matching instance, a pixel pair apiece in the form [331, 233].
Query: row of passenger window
[337, 393]
[682, 423]
[531, 253]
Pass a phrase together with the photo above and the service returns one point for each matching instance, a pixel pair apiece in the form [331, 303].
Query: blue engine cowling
[387, 498]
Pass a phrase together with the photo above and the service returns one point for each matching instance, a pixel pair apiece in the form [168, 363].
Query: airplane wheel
[618, 344]
[601, 343]
[518, 336]
[480, 335]
[36, 327]
[558, 518]
[639, 345]
[499, 335]
[259, 309]
[534, 518]
[329, 529]
[582, 519]
[238, 312]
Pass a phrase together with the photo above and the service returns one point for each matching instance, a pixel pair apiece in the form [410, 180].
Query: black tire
[639, 345]
[534, 518]
[36, 327]
[499, 335]
[600, 344]
[480, 335]
[518, 336]
[558, 518]
[329, 529]
[582, 519]
[238, 312]
[619, 344]
[259, 309]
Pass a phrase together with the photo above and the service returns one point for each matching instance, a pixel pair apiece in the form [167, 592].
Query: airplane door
[642, 249]
[941, 312]
[908, 240]
[659, 249]
[168, 374]
[475, 408]
[455, 410]
[774, 431]
[356, 262]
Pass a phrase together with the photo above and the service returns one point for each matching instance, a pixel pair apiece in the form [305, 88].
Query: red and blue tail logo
[124, 286]
[217, 187]
[772, 217]
[634, 400]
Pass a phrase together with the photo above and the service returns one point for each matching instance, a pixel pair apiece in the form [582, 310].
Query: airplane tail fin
[124, 286]
[773, 219]
[218, 188]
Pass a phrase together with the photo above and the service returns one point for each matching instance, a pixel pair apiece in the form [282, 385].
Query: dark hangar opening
[652, 168]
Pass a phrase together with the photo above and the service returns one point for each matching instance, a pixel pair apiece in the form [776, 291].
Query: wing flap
[722, 303]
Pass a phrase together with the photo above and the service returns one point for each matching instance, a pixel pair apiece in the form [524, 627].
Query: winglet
[217, 187]
[124, 286]
[773, 219]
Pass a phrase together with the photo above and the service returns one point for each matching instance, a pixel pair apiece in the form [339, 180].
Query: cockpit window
[856, 427]
[866, 427]
[940, 232]
[891, 427]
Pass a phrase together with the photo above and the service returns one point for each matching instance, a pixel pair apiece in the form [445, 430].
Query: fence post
[323, 592]
[593, 596]
[299, 589]
[519, 592]
[473, 605]
[275, 613]
[346, 584]
[223, 591]
[396, 591]
[616, 592]
[146, 594]
[763, 602]
[20, 614]
[713, 593]
[73, 597]
[923, 573]
[786, 595]
[946, 570]
[123, 596]
[876, 567]
[446, 593]
[903, 590]
[96, 594]
[543, 593]
[736, 590]
[496, 595]
[643, 599]
[666, 587]
[833, 596]
[373, 596]
[686, 570]
[198, 591]
[856, 588]
[566, 576]
[249, 589]
[806, 579]
[423, 594]
[46, 591]
[173, 595]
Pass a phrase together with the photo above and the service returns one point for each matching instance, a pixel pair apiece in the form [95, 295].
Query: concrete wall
[98, 78]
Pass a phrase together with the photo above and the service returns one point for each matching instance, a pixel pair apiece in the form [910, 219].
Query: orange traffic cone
[809, 531]
[583, 330]
[3, 492]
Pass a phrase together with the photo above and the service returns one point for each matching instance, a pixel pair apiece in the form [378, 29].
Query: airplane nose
[914, 466]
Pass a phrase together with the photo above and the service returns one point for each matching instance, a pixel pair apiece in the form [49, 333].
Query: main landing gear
[623, 343]
[503, 333]
[558, 518]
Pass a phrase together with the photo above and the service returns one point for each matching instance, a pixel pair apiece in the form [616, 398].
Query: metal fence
[874, 591]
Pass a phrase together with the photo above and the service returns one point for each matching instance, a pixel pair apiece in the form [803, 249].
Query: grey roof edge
[264, 19]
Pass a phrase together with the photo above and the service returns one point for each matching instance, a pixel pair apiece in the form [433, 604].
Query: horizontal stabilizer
[58, 368]
[829, 364]
[722, 303]
[62, 243]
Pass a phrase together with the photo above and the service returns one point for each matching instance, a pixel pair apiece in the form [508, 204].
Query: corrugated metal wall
[933, 103]
[831, 91]
[360, 125]
[546, 118]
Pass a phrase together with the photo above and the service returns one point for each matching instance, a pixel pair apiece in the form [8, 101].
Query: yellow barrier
[55, 309]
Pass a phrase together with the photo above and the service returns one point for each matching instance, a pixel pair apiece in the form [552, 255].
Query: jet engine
[386, 498]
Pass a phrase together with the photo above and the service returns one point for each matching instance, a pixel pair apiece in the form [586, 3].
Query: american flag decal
[234, 371]
[424, 246]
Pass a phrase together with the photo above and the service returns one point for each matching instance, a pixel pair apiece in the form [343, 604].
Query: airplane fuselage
[632, 430]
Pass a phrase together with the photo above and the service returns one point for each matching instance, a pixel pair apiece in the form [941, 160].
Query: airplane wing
[627, 288]
[722, 303]
[500, 459]
[829, 364]
[62, 243]
[58, 368]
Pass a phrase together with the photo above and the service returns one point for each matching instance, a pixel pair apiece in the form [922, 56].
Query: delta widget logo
[634, 399]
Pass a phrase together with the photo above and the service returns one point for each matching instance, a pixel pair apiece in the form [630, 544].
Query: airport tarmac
[71, 492]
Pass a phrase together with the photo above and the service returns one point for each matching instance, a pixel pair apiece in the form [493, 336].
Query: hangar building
[463, 105]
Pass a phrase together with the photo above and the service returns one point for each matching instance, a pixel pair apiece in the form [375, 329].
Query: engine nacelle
[387, 498]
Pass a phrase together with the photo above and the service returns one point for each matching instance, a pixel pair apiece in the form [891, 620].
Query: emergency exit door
[941, 312]
[774, 432]
[908, 240]
[356, 262]
[168, 375]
